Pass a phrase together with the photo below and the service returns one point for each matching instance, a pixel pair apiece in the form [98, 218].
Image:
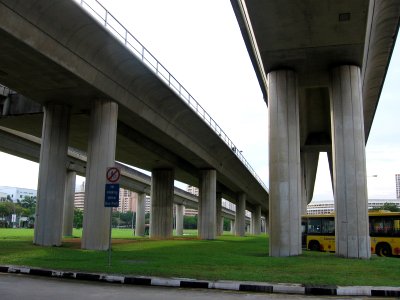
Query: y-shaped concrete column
[101, 154]
[284, 164]
[207, 205]
[69, 203]
[52, 174]
[179, 219]
[140, 214]
[162, 201]
[349, 170]
[256, 215]
[240, 221]
[309, 165]
[220, 219]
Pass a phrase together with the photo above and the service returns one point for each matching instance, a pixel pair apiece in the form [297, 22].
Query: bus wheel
[314, 246]
[383, 249]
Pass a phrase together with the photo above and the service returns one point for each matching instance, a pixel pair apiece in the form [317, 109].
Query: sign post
[111, 197]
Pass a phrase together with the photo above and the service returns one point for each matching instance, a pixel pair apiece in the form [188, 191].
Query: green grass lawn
[228, 257]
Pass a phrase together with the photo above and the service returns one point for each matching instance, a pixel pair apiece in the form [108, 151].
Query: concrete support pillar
[101, 155]
[140, 215]
[162, 201]
[349, 168]
[52, 174]
[179, 219]
[309, 165]
[69, 198]
[220, 219]
[240, 221]
[207, 218]
[251, 227]
[233, 226]
[284, 164]
[256, 216]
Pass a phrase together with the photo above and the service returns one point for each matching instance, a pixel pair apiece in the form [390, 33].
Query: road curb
[257, 287]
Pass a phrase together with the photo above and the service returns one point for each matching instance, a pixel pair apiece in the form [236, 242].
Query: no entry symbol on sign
[113, 174]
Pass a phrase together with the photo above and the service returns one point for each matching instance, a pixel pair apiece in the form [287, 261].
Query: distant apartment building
[328, 206]
[16, 193]
[127, 199]
[397, 177]
[190, 211]
[79, 201]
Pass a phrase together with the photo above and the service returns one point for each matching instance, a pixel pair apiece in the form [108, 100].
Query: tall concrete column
[179, 219]
[101, 155]
[267, 231]
[52, 174]
[69, 203]
[240, 222]
[233, 226]
[251, 225]
[256, 215]
[220, 219]
[140, 215]
[162, 201]
[207, 205]
[284, 164]
[349, 168]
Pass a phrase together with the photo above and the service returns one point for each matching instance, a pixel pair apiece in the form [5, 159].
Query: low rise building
[17, 193]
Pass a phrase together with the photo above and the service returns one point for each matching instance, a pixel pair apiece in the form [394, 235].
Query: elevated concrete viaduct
[321, 66]
[28, 147]
[100, 97]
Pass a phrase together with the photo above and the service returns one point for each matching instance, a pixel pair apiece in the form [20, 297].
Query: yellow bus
[318, 232]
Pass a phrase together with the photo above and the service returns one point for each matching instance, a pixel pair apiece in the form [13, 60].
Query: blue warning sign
[111, 198]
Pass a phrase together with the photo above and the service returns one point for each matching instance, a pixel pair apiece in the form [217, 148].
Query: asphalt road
[17, 287]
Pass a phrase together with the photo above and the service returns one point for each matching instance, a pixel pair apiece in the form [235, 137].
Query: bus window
[396, 227]
[314, 226]
[328, 226]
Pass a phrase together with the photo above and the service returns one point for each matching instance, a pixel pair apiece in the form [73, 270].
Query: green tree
[6, 208]
[387, 206]
[227, 224]
[29, 203]
[78, 218]
[126, 218]
[390, 207]
[190, 222]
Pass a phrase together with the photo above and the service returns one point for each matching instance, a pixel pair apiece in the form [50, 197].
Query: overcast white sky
[200, 43]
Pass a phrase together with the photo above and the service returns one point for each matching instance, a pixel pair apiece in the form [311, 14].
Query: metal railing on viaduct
[101, 14]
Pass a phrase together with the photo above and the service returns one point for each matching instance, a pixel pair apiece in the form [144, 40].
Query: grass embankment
[228, 257]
